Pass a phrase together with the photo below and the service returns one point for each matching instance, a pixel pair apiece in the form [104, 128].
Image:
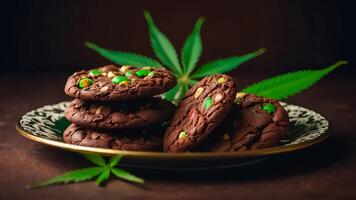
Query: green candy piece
[183, 134]
[85, 82]
[119, 79]
[128, 73]
[95, 72]
[142, 73]
[151, 74]
[270, 108]
[207, 103]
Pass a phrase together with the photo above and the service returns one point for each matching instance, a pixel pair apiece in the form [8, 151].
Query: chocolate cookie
[256, 123]
[119, 115]
[111, 83]
[148, 139]
[201, 110]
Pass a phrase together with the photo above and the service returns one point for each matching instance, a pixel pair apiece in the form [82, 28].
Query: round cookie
[111, 83]
[148, 139]
[256, 123]
[200, 111]
[119, 115]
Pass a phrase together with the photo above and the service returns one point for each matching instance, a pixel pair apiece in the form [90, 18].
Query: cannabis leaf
[102, 172]
[170, 95]
[192, 48]
[124, 58]
[103, 176]
[162, 47]
[95, 159]
[278, 87]
[187, 73]
[72, 176]
[127, 176]
[283, 86]
[224, 65]
[114, 160]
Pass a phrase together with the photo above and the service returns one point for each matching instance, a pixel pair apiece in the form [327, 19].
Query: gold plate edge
[163, 155]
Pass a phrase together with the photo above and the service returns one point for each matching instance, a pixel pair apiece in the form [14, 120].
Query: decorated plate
[46, 125]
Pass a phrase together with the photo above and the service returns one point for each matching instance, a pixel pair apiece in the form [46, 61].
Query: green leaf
[192, 82]
[192, 48]
[180, 93]
[95, 158]
[184, 90]
[114, 160]
[176, 94]
[103, 176]
[283, 86]
[124, 58]
[224, 65]
[126, 176]
[72, 176]
[162, 47]
[169, 96]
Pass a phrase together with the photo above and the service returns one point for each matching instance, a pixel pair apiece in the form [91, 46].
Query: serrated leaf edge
[211, 67]
[188, 50]
[172, 62]
[139, 59]
[264, 87]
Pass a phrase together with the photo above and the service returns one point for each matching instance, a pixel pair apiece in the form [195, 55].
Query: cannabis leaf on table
[185, 70]
[101, 173]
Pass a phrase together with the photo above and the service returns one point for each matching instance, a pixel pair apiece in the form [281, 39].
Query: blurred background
[44, 35]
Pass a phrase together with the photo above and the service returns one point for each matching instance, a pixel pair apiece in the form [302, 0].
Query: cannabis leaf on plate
[102, 173]
[186, 69]
[285, 85]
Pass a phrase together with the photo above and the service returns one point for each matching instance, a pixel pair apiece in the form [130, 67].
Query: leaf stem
[337, 64]
[260, 51]
[184, 80]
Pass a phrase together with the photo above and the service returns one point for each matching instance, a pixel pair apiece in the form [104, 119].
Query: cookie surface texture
[112, 83]
[119, 115]
[257, 123]
[148, 139]
[201, 110]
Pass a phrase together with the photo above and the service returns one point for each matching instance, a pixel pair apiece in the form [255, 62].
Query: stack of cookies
[115, 107]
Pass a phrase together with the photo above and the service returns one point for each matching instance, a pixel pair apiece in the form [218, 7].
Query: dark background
[49, 35]
[42, 44]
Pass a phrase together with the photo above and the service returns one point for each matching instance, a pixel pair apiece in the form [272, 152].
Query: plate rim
[165, 155]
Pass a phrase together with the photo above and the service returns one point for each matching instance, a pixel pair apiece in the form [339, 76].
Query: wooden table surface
[325, 171]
